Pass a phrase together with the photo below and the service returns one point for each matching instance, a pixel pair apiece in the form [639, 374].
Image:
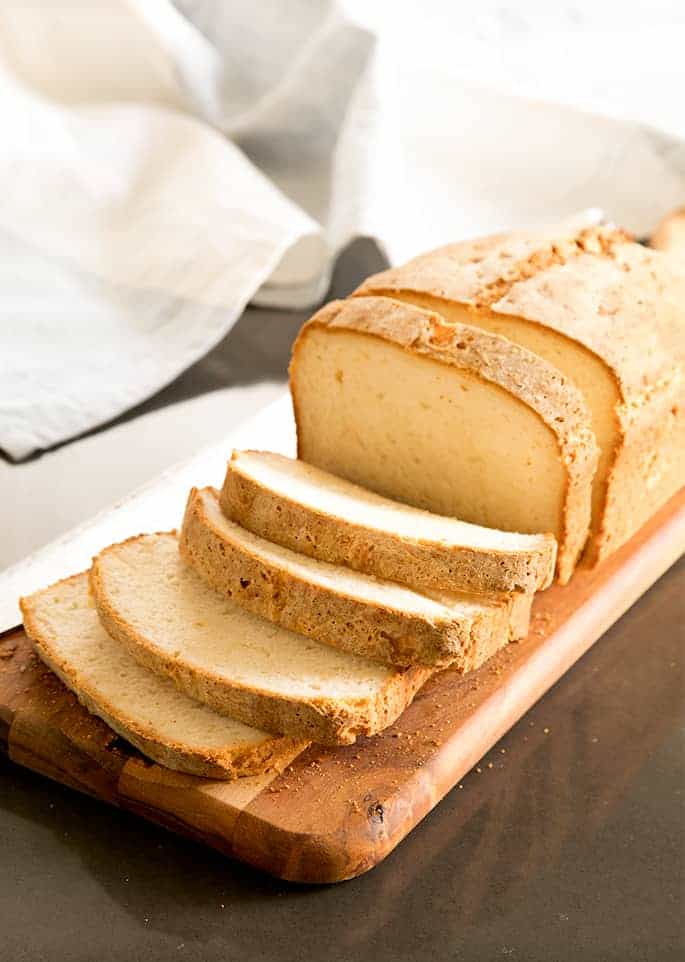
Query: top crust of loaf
[496, 360]
[595, 286]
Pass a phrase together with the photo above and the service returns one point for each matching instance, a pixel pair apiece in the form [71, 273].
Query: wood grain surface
[335, 813]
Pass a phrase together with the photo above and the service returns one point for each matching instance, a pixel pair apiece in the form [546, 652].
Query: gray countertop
[569, 847]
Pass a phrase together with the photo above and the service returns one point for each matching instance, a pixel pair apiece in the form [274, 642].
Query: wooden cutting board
[335, 813]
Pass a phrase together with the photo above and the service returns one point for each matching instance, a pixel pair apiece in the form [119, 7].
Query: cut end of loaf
[467, 428]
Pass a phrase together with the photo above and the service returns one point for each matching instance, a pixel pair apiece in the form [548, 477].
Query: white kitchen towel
[134, 227]
[164, 164]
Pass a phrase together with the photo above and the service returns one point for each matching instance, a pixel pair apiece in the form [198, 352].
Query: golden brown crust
[270, 755]
[482, 270]
[421, 564]
[620, 301]
[513, 369]
[332, 616]
[322, 720]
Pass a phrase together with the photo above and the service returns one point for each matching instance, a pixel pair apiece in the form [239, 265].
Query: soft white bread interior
[149, 599]
[445, 417]
[336, 605]
[146, 710]
[315, 513]
[606, 312]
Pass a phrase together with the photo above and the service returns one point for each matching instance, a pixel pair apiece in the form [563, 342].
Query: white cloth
[164, 164]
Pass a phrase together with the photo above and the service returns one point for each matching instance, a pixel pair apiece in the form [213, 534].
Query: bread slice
[317, 514]
[445, 417]
[146, 710]
[607, 313]
[241, 665]
[335, 605]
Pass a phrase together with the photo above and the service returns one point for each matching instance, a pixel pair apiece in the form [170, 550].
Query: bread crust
[524, 376]
[334, 617]
[422, 564]
[323, 720]
[270, 755]
[614, 298]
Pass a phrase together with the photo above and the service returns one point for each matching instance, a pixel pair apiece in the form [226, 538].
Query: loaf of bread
[465, 423]
[606, 312]
[322, 516]
[338, 606]
[147, 710]
[446, 417]
[240, 665]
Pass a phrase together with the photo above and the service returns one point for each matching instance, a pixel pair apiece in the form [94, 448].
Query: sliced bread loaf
[315, 513]
[335, 605]
[241, 665]
[146, 710]
[445, 417]
[607, 313]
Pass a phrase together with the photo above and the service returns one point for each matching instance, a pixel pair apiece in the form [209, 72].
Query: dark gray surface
[569, 847]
